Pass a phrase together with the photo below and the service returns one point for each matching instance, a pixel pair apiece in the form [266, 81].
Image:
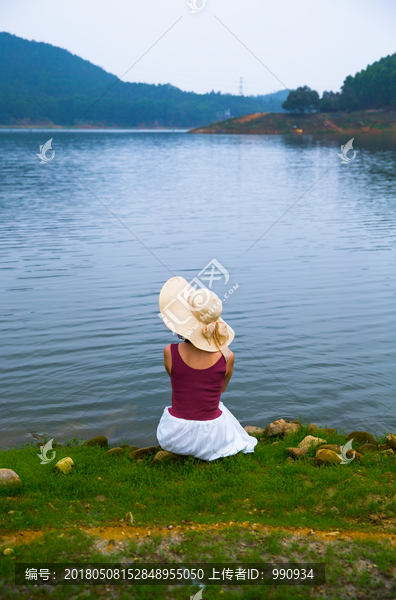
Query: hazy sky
[302, 42]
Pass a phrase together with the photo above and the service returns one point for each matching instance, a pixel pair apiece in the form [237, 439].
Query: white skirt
[206, 440]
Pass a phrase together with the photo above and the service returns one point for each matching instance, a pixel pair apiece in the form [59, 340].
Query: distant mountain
[43, 84]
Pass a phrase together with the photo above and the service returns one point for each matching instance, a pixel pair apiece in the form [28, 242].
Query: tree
[329, 102]
[302, 99]
[349, 99]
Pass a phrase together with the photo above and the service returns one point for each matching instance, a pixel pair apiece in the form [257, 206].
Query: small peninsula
[372, 121]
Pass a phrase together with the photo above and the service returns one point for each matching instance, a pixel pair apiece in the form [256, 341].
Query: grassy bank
[369, 121]
[258, 507]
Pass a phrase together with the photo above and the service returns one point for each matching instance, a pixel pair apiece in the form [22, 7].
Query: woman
[200, 368]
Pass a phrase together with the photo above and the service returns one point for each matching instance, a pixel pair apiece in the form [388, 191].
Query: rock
[391, 441]
[324, 457]
[333, 447]
[291, 428]
[388, 451]
[9, 477]
[334, 509]
[296, 422]
[256, 432]
[275, 428]
[138, 454]
[129, 448]
[312, 428]
[290, 460]
[165, 456]
[8, 551]
[129, 518]
[309, 441]
[361, 437]
[99, 440]
[367, 448]
[65, 465]
[297, 452]
[382, 446]
[116, 451]
[350, 454]
[327, 431]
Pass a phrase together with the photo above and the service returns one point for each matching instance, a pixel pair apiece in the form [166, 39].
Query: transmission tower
[241, 86]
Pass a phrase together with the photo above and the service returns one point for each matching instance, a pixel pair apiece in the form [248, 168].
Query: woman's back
[196, 390]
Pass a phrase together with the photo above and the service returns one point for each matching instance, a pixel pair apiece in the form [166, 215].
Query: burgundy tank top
[195, 392]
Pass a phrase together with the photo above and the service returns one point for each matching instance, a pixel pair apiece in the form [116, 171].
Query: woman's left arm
[168, 359]
[229, 370]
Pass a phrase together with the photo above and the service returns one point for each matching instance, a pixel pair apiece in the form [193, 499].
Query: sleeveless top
[195, 392]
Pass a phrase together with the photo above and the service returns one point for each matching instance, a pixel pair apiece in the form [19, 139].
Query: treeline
[372, 88]
[40, 83]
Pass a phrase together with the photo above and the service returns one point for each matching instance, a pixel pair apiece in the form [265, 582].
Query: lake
[313, 307]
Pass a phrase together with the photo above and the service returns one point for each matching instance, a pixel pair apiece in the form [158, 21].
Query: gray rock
[9, 477]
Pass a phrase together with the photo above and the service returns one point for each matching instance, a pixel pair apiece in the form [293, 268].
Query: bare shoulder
[230, 362]
[167, 350]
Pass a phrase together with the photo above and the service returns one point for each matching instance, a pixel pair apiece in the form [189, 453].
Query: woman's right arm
[229, 370]
[168, 359]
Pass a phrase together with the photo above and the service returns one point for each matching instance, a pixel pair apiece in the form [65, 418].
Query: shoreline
[288, 501]
[355, 123]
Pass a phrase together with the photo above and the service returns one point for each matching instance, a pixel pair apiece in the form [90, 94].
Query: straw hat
[195, 315]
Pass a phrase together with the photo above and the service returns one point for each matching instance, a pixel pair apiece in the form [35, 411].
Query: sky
[271, 46]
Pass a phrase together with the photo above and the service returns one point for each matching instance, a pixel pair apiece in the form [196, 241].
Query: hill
[41, 84]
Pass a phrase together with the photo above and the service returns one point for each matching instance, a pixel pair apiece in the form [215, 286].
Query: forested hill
[43, 84]
[374, 87]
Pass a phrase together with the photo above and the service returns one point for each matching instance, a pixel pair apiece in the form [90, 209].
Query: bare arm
[168, 359]
[229, 370]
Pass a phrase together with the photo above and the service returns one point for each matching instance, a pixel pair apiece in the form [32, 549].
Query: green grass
[262, 488]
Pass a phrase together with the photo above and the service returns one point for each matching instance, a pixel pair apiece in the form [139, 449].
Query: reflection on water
[314, 313]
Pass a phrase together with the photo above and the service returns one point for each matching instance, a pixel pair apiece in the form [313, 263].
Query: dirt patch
[120, 533]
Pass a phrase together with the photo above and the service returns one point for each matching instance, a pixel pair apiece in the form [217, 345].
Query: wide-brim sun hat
[195, 315]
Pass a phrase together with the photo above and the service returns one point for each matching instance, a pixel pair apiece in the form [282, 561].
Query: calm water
[314, 313]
